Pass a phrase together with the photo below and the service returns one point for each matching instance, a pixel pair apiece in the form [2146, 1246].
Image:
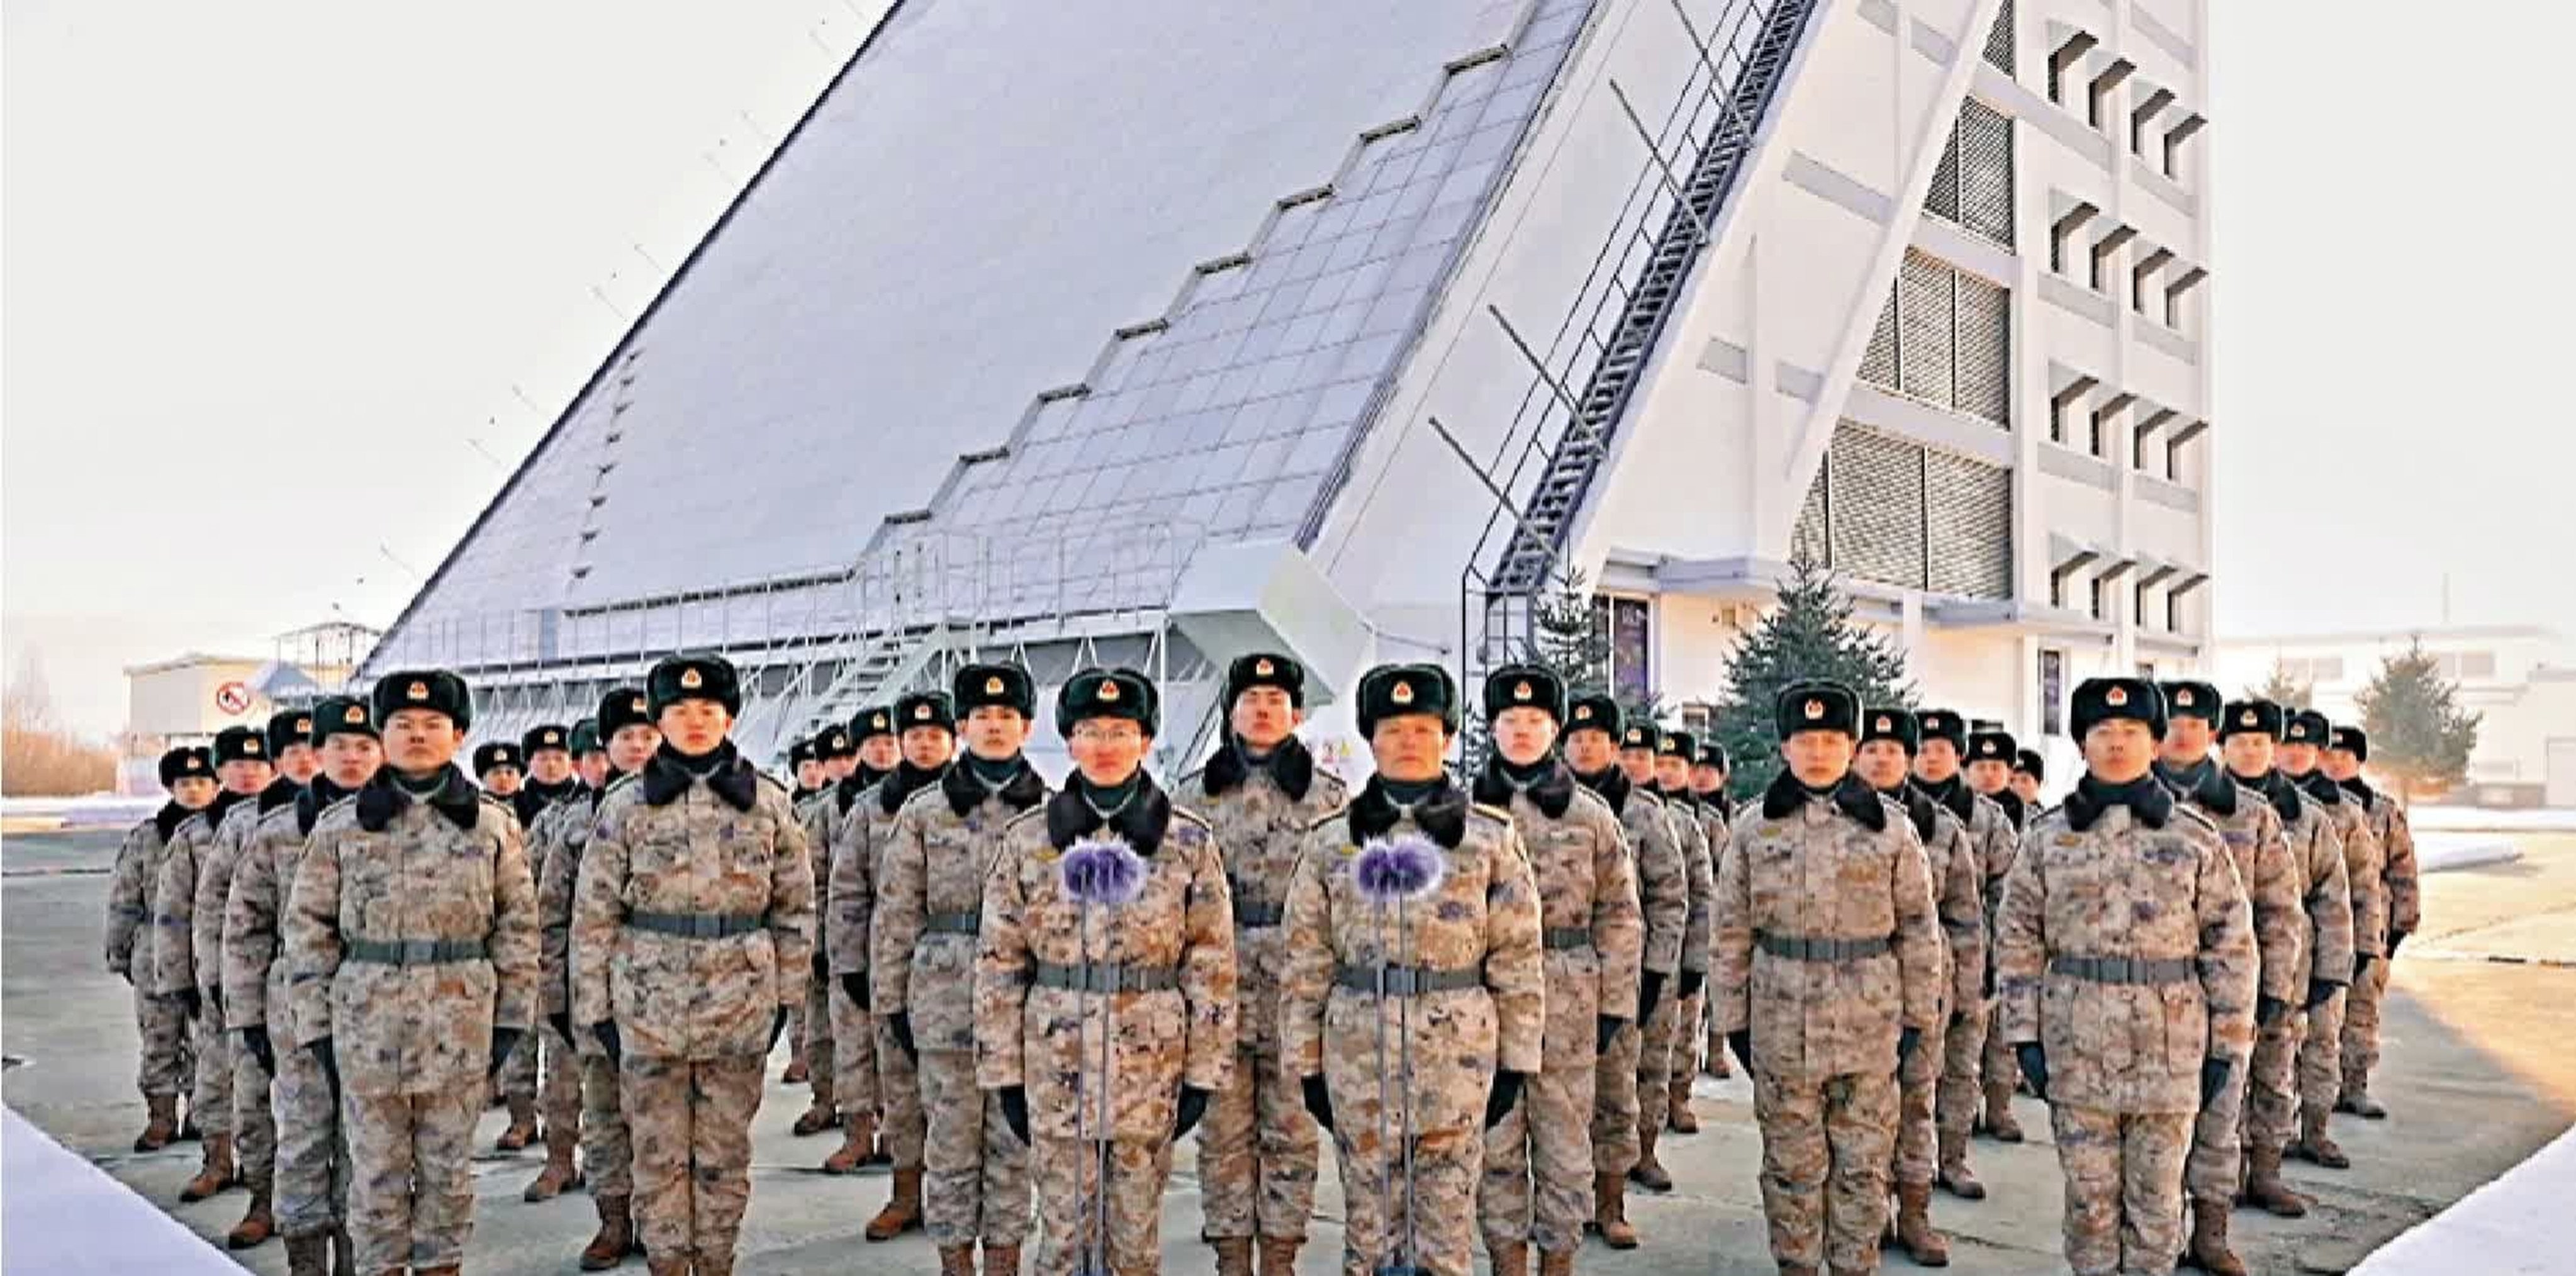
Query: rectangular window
[2173, 612]
[2056, 590]
[2147, 670]
[2477, 664]
[2141, 611]
[2326, 669]
[2056, 420]
[2099, 602]
[1628, 622]
[2052, 691]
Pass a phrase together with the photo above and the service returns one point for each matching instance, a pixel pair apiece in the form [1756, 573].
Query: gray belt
[2124, 970]
[698, 925]
[952, 923]
[1804, 948]
[1259, 915]
[1561, 938]
[414, 952]
[1107, 977]
[1408, 981]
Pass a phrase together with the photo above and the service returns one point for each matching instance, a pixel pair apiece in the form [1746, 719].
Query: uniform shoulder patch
[1494, 813]
[1325, 820]
[1191, 820]
[2193, 817]
[772, 781]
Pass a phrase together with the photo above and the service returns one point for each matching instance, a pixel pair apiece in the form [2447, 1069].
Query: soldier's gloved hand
[1319, 1099]
[215, 1002]
[2360, 966]
[2269, 1010]
[854, 986]
[1015, 1112]
[1194, 1105]
[504, 1040]
[900, 1024]
[2034, 1066]
[2321, 991]
[1990, 981]
[1499, 1100]
[1907, 1042]
[2396, 937]
[561, 1022]
[2213, 1076]
[1650, 989]
[189, 1001]
[1690, 984]
[1741, 1041]
[1604, 1028]
[330, 1061]
[255, 1039]
[605, 1032]
[777, 1026]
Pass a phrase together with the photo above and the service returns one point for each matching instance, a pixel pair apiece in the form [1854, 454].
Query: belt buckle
[705, 926]
[2115, 970]
[418, 952]
[1400, 980]
[1108, 978]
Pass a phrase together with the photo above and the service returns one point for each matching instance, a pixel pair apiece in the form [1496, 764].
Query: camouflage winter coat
[930, 902]
[1260, 824]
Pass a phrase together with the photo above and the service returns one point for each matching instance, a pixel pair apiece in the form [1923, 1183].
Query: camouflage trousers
[977, 1184]
[1614, 1104]
[518, 1076]
[691, 1123]
[1069, 1215]
[2271, 1099]
[817, 1038]
[1918, 1083]
[2321, 1054]
[854, 1052]
[312, 1175]
[1442, 1204]
[411, 1176]
[2124, 1175]
[1964, 1059]
[1543, 1145]
[1688, 1016]
[794, 1032]
[898, 1092]
[1258, 1153]
[2360, 1045]
[168, 1063]
[210, 1100]
[559, 1084]
[1661, 1053]
[254, 1123]
[1825, 1150]
[607, 1147]
[2215, 1168]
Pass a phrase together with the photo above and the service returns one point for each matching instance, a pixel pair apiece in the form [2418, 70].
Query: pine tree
[2419, 736]
[1811, 634]
[2283, 690]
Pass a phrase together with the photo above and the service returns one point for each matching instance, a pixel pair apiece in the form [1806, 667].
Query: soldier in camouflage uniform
[1971, 1054]
[2128, 973]
[807, 768]
[2346, 750]
[1661, 1049]
[500, 768]
[692, 934]
[844, 1070]
[290, 750]
[1829, 966]
[1107, 954]
[1593, 935]
[2303, 740]
[411, 950]
[189, 775]
[311, 1176]
[1889, 738]
[1260, 792]
[630, 738]
[921, 960]
[1676, 758]
[809, 1024]
[2029, 772]
[1709, 774]
[1990, 771]
[1413, 915]
[559, 1091]
[2251, 831]
[546, 750]
[881, 1079]
[1676, 937]
[242, 763]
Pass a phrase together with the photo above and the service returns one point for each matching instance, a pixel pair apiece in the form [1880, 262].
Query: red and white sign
[233, 698]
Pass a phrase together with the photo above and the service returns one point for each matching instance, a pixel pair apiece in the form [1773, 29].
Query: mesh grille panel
[1982, 160]
[1809, 540]
[1999, 40]
[1923, 329]
[1984, 349]
[1968, 524]
[1878, 363]
[1877, 503]
[1943, 199]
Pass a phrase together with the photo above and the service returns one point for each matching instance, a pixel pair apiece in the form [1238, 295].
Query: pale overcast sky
[268, 262]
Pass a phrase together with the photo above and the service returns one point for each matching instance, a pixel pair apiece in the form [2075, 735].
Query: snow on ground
[65, 1216]
[2436, 852]
[2461, 819]
[2518, 1223]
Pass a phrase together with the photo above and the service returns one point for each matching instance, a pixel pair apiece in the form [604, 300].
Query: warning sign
[233, 698]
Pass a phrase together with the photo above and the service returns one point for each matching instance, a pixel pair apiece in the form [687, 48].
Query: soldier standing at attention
[1990, 772]
[1703, 831]
[290, 749]
[559, 1089]
[2346, 750]
[892, 1086]
[2127, 968]
[411, 938]
[1413, 915]
[1972, 1052]
[1888, 739]
[1675, 935]
[242, 763]
[807, 766]
[189, 776]
[545, 749]
[1660, 1049]
[809, 1023]
[1828, 976]
[2303, 740]
[691, 930]
[500, 768]
[1709, 774]
[921, 950]
[1260, 792]
[1106, 920]
[845, 1086]
[311, 1176]
[2251, 831]
[2030, 771]
[1593, 937]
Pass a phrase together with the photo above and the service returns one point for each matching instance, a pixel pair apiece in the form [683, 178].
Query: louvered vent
[1999, 40]
[1967, 527]
[1877, 503]
[1809, 540]
[1878, 363]
[1923, 328]
[1983, 146]
[1983, 346]
[1889, 510]
[1945, 337]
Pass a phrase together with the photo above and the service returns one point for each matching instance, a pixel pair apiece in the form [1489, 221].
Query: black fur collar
[2147, 799]
[1291, 767]
[1612, 786]
[898, 788]
[732, 780]
[168, 819]
[2277, 789]
[2361, 792]
[1851, 795]
[534, 797]
[2204, 782]
[279, 792]
[382, 798]
[1553, 792]
[861, 778]
[2317, 784]
[1443, 815]
[1140, 822]
[1918, 808]
[222, 806]
[2014, 808]
[1955, 794]
[317, 797]
[1023, 790]
[1716, 800]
